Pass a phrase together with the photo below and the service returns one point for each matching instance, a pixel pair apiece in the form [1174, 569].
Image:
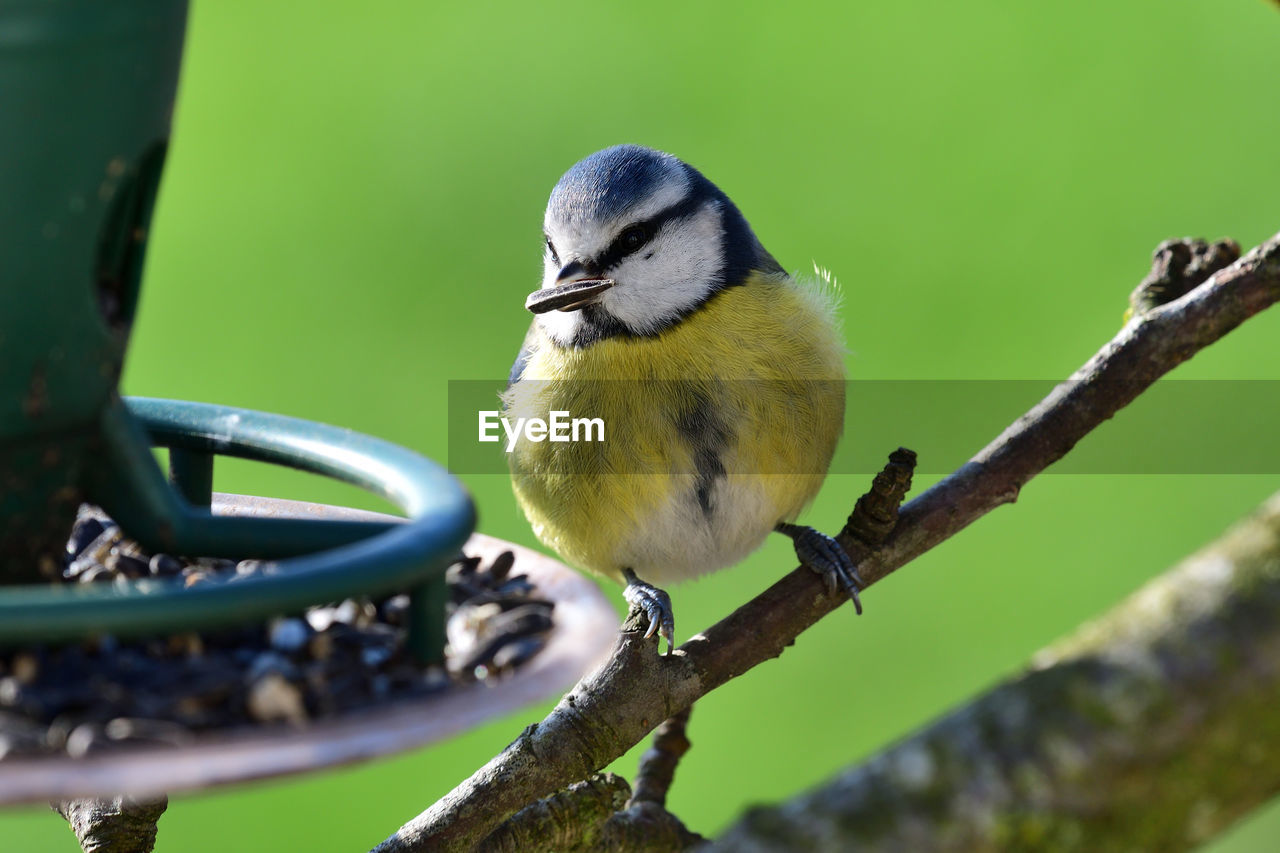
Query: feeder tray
[388, 555]
[585, 626]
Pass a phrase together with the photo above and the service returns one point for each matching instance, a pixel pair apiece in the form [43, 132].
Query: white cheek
[679, 269]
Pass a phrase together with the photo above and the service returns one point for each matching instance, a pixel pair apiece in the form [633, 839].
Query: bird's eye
[552, 250]
[633, 238]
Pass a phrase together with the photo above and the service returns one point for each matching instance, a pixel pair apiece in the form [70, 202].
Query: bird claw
[655, 604]
[824, 555]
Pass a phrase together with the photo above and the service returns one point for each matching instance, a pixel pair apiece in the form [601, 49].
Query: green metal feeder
[87, 92]
[93, 86]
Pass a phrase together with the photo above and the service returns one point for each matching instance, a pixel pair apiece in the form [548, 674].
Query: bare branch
[1153, 728]
[658, 764]
[616, 706]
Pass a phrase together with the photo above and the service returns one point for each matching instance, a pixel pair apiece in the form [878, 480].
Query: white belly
[679, 540]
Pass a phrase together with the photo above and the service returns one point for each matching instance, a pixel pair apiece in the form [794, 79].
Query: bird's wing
[526, 351]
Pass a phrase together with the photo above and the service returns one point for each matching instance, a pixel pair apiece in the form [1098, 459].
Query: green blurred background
[351, 217]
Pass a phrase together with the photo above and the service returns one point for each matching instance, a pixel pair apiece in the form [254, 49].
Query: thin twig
[658, 764]
[876, 513]
[1178, 267]
[616, 706]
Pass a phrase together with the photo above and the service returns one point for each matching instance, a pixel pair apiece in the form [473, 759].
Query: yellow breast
[714, 431]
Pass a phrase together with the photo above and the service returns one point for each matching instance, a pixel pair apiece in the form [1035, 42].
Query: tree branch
[1153, 728]
[658, 764]
[616, 706]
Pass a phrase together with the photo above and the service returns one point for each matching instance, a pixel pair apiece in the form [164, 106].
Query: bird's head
[636, 240]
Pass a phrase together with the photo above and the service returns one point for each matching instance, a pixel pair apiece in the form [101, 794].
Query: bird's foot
[655, 604]
[824, 555]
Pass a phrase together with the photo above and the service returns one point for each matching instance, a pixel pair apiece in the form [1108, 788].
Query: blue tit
[718, 377]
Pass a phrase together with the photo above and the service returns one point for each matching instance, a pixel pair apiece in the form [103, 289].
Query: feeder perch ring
[358, 557]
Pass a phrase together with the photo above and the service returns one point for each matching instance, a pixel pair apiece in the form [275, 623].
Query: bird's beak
[568, 293]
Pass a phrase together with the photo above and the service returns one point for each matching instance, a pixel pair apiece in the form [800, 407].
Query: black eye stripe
[682, 209]
[552, 249]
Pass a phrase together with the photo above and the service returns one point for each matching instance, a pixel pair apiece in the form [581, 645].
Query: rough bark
[569, 820]
[119, 825]
[588, 816]
[1153, 728]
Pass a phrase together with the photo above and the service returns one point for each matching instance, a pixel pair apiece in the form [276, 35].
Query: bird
[717, 376]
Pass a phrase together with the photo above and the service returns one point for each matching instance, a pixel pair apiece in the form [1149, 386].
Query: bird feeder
[89, 90]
